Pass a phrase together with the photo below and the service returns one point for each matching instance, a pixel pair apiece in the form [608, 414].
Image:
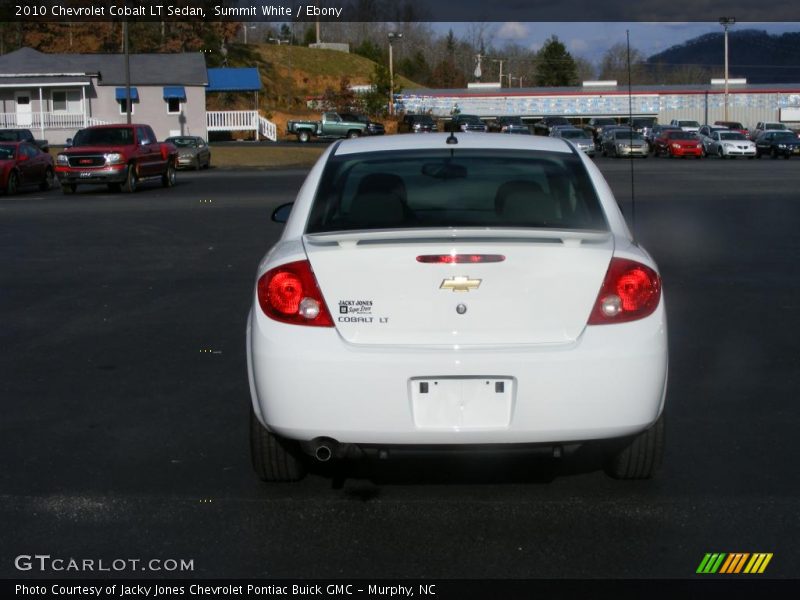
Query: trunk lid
[378, 293]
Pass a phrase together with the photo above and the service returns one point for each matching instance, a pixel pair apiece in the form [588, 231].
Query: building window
[173, 106]
[68, 101]
[123, 103]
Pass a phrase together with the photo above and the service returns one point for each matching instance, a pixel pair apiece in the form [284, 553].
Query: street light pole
[726, 22]
[392, 37]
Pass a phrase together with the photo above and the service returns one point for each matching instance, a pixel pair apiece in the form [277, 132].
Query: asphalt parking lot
[125, 399]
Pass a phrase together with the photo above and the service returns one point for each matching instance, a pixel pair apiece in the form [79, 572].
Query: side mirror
[281, 214]
[68, 143]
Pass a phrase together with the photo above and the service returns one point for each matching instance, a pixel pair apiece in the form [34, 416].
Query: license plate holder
[458, 403]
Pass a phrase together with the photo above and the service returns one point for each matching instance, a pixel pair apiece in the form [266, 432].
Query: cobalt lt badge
[460, 284]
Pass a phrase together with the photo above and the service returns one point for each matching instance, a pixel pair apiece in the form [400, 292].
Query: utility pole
[392, 35]
[726, 22]
[127, 71]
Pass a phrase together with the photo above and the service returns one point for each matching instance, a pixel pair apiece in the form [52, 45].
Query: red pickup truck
[119, 156]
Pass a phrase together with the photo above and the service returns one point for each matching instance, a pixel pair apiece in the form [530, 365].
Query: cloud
[512, 31]
[578, 45]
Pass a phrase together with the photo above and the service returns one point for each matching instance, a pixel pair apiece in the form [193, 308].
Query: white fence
[241, 120]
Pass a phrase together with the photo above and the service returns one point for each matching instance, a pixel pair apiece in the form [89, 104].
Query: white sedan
[456, 290]
[730, 144]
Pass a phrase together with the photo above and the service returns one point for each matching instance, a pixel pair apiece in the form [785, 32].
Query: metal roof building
[747, 103]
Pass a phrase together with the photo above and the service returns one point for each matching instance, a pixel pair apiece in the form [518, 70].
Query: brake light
[629, 292]
[449, 259]
[290, 294]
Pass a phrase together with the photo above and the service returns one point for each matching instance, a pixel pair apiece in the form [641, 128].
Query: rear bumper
[306, 383]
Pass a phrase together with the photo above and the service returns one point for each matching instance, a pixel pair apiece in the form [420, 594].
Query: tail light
[290, 294]
[629, 292]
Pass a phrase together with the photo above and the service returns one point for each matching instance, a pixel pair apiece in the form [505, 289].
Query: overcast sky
[591, 40]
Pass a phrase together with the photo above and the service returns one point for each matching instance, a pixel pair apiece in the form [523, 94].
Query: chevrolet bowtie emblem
[460, 284]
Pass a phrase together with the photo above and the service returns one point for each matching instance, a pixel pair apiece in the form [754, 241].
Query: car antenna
[630, 123]
[452, 139]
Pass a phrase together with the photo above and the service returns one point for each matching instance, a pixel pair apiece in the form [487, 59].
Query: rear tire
[642, 457]
[47, 182]
[12, 184]
[353, 135]
[274, 459]
[303, 136]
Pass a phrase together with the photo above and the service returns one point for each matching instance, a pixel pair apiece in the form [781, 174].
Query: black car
[417, 124]
[510, 125]
[595, 125]
[777, 143]
[373, 128]
[544, 126]
[471, 123]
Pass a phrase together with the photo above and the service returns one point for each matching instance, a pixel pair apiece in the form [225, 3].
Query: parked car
[339, 295]
[777, 143]
[763, 126]
[23, 135]
[511, 125]
[192, 151]
[330, 127]
[729, 144]
[733, 126]
[642, 124]
[470, 123]
[543, 126]
[704, 135]
[417, 124]
[607, 133]
[119, 156]
[373, 127]
[686, 124]
[595, 126]
[657, 131]
[579, 137]
[678, 143]
[625, 142]
[24, 164]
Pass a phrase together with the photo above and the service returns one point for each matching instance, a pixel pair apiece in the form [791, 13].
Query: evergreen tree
[556, 67]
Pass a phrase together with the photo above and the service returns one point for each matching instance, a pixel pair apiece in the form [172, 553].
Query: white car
[455, 290]
[730, 144]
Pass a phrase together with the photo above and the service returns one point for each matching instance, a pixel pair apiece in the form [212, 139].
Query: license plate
[462, 403]
[86, 174]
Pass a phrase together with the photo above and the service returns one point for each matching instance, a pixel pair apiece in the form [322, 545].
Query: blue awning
[233, 80]
[174, 92]
[120, 94]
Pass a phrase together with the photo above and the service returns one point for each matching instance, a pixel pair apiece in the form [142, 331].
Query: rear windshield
[688, 123]
[470, 188]
[572, 134]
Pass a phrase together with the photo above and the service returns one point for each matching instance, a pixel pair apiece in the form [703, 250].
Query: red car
[678, 143]
[23, 164]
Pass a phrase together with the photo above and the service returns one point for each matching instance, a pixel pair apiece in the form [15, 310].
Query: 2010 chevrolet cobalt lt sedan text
[460, 290]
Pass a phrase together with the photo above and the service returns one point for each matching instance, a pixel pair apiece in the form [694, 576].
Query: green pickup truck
[331, 127]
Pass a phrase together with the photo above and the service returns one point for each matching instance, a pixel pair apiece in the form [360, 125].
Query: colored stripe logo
[734, 563]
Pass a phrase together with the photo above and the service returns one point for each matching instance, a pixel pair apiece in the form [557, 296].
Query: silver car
[193, 152]
[582, 139]
[623, 142]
